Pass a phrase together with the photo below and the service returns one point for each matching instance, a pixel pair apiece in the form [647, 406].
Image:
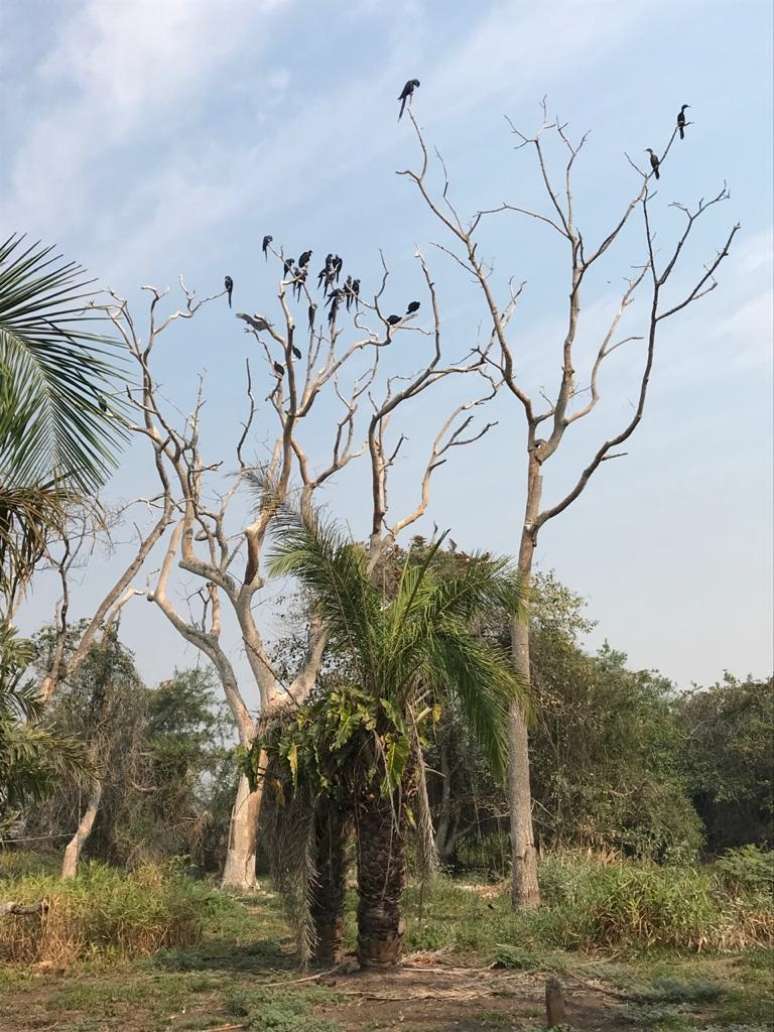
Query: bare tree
[567, 406]
[209, 540]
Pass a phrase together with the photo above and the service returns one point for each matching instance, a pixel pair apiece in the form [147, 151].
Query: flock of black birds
[329, 276]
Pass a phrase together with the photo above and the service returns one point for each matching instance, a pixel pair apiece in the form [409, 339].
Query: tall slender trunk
[428, 862]
[381, 873]
[525, 891]
[239, 868]
[72, 853]
[332, 826]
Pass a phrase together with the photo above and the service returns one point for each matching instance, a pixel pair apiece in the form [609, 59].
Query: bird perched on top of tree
[311, 314]
[337, 264]
[654, 162]
[256, 322]
[265, 246]
[287, 265]
[681, 120]
[356, 291]
[303, 261]
[279, 369]
[228, 283]
[325, 272]
[406, 93]
[413, 307]
[393, 320]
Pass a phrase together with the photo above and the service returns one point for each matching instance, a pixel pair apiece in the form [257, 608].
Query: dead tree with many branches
[212, 543]
[570, 403]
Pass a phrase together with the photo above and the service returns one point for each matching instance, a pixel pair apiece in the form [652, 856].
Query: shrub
[103, 910]
[748, 870]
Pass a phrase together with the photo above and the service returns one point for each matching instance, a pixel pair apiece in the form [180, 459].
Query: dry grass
[103, 910]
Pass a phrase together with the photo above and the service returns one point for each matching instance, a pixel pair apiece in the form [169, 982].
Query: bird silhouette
[256, 322]
[356, 290]
[681, 120]
[228, 283]
[406, 92]
[333, 302]
[348, 291]
[296, 351]
[287, 265]
[265, 246]
[413, 307]
[393, 320]
[279, 369]
[102, 403]
[654, 162]
[337, 264]
[303, 261]
[311, 314]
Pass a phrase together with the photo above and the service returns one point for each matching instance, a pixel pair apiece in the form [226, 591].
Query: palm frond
[55, 368]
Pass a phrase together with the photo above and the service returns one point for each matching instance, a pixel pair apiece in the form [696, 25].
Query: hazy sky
[154, 138]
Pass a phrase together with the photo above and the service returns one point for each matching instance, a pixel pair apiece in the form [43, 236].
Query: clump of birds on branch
[329, 276]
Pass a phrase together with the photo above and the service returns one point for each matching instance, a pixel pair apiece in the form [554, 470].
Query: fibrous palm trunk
[381, 871]
[331, 831]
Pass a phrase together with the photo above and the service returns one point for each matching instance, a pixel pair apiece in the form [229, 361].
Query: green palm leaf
[55, 368]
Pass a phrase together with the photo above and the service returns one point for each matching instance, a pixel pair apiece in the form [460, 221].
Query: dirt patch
[421, 997]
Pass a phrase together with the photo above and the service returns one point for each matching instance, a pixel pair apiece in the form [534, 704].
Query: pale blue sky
[150, 139]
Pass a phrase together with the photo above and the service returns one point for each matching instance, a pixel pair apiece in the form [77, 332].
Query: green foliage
[728, 760]
[33, 760]
[275, 1010]
[103, 910]
[748, 870]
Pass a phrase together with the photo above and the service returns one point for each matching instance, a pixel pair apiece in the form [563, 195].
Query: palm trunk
[525, 891]
[239, 868]
[72, 853]
[332, 827]
[381, 872]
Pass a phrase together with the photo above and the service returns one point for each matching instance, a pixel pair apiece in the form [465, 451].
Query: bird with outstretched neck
[654, 162]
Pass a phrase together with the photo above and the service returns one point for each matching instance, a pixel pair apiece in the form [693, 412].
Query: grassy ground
[468, 970]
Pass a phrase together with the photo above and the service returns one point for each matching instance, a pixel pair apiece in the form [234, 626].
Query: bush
[103, 910]
[748, 870]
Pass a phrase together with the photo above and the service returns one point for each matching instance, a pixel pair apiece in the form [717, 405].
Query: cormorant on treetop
[654, 162]
[681, 120]
[406, 92]
[228, 283]
[265, 246]
[413, 307]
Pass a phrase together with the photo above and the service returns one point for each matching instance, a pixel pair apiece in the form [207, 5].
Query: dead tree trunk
[239, 868]
[525, 890]
[72, 853]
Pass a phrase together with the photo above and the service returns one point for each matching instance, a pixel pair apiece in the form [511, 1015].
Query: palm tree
[350, 750]
[58, 431]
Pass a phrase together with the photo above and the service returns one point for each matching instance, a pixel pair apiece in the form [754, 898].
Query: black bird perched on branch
[333, 301]
[356, 290]
[311, 313]
[287, 265]
[299, 281]
[654, 162]
[413, 307]
[279, 369]
[393, 320]
[348, 291]
[337, 264]
[257, 322]
[265, 246]
[406, 92]
[303, 261]
[324, 273]
[296, 351]
[228, 283]
[681, 120]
